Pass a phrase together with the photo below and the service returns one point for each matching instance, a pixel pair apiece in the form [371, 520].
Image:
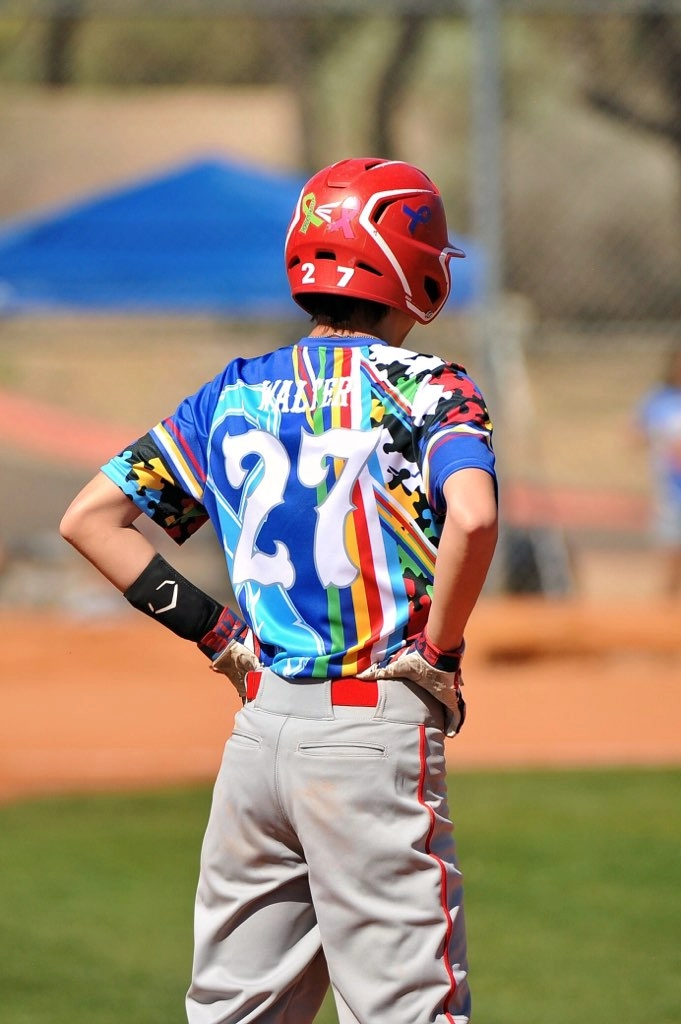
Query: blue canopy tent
[206, 237]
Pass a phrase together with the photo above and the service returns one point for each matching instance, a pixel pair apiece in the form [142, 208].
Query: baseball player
[351, 483]
[657, 422]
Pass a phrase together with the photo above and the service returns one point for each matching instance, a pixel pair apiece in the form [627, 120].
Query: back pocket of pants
[341, 749]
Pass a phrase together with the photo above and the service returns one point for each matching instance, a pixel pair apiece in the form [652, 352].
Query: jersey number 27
[263, 488]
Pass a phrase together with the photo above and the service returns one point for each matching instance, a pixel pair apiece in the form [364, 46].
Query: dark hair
[343, 312]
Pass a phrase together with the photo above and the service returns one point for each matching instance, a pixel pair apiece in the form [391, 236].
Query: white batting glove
[234, 662]
[233, 650]
[438, 672]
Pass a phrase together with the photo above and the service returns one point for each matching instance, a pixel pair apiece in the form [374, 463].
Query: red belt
[350, 692]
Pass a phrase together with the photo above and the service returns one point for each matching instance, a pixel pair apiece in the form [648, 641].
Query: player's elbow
[479, 515]
[74, 522]
[479, 527]
[472, 504]
[96, 511]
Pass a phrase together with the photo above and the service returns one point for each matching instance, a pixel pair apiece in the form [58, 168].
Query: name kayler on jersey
[304, 396]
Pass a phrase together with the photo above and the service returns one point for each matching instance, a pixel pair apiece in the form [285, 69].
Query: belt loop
[354, 693]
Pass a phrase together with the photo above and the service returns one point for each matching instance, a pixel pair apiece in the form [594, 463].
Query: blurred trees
[639, 80]
[77, 48]
[60, 44]
[592, 132]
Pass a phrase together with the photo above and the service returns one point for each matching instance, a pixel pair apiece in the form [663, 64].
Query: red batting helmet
[372, 229]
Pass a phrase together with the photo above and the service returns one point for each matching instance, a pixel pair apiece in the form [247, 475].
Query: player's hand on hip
[438, 672]
[233, 650]
[235, 662]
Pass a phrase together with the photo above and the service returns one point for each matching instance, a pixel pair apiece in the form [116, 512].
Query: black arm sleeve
[164, 594]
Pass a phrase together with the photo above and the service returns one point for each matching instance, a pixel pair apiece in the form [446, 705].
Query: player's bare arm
[99, 523]
[466, 548]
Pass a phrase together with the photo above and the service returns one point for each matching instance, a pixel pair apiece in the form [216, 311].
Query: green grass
[572, 880]
[573, 895]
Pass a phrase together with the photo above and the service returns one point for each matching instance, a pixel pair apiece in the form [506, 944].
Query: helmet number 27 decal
[345, 274]
[263, 487]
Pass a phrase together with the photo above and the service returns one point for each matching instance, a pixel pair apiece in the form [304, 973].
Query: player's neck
[393, 328]
[335, 332]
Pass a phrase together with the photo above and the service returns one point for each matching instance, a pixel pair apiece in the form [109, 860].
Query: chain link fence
[554, 131]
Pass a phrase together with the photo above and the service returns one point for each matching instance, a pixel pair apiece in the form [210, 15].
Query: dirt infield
[86, 705]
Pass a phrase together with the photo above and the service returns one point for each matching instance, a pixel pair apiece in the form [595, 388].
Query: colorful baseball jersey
[321, 467]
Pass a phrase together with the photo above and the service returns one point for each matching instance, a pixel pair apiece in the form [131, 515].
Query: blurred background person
[658, 423]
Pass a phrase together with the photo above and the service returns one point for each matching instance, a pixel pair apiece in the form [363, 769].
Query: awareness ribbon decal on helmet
[309, 204]
[420, 216]
[343, 222]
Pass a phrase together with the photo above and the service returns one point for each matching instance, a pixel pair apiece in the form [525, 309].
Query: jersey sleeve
[164, 472]
[453, 430]
[143, 474]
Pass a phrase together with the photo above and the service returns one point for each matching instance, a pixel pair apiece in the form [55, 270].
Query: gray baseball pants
[329, 857]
